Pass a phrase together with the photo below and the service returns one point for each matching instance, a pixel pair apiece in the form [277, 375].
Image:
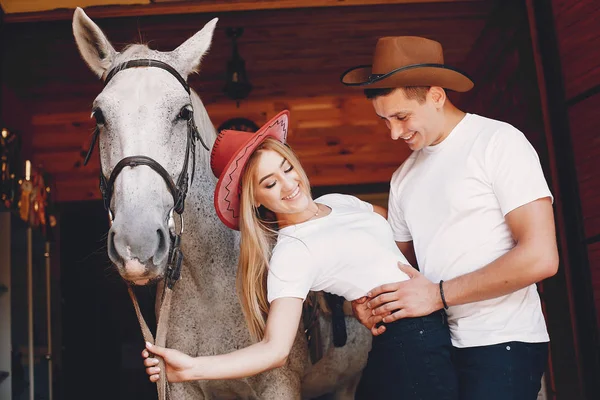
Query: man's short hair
[418, 93]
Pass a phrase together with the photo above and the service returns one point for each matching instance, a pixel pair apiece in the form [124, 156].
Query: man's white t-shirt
[348, 252]
[450, 200]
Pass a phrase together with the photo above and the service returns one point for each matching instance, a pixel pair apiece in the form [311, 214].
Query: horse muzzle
[140, 253]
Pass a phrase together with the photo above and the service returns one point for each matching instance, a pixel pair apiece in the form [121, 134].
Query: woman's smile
[293, 195]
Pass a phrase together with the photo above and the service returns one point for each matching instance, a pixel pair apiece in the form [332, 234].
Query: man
[471, 207]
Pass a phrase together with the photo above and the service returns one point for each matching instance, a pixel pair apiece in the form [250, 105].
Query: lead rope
[161, 334]
[175, 254]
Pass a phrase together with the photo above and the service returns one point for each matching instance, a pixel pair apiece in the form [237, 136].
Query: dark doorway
[101, 336]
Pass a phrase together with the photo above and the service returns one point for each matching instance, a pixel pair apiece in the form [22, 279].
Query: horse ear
[93, 45]
[188, 55]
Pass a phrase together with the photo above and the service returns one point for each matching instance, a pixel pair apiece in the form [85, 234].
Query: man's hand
[415, 297]
[366, 317]
[178, 365]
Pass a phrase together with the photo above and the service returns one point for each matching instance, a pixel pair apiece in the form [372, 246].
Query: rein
[177, 189]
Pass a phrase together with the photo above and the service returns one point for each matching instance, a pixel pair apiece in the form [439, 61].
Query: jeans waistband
[435, 317]
[435, 320]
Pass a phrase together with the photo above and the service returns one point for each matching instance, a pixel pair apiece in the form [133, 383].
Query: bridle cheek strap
[178, 190]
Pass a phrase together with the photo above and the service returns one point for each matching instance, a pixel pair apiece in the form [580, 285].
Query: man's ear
[437, 95]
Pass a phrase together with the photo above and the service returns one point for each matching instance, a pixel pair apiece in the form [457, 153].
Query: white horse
[143, 112]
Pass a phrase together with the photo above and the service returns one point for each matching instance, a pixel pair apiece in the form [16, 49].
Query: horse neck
[207, 130]
[208, 244]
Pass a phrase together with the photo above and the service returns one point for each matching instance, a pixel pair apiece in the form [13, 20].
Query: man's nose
[396, 132]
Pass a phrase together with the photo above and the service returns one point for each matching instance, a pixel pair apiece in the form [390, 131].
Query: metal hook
[111, 217]
[171, 223]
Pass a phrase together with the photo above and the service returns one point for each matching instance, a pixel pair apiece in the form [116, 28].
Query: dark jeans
[411, 360]
[505, 371]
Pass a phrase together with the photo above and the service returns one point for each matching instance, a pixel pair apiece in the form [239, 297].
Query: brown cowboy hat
[229, 156]
[402, 61]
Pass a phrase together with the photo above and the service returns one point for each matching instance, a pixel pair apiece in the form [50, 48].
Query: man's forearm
[517, 269]
[533, 258]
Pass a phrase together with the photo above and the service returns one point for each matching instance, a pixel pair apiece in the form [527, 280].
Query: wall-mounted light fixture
[237, 86]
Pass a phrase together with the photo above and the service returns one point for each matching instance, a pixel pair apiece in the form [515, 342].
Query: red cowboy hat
[229, 156]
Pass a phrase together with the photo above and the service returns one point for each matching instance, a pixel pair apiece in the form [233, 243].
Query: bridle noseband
[178, 190]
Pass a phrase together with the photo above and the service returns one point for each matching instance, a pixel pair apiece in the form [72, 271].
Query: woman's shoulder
[290, 246]
[288, 254]
[338, 200]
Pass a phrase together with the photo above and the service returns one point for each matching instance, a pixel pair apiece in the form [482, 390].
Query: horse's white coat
[140, 108]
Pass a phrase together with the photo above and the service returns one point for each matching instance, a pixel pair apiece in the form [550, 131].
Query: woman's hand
[365, 315]
[271, 352]
[179, 366]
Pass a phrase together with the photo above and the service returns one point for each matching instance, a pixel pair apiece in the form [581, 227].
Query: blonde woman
[292, 244]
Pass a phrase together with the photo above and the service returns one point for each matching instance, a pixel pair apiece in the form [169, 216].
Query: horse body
[139, 113]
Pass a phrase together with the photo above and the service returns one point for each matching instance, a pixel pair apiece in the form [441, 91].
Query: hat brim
[411, 75]
[227, 190]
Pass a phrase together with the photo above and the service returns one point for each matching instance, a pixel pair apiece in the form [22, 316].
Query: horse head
[146, 120]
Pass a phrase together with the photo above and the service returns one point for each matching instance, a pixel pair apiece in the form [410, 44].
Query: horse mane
[136, 50]
[206, 129]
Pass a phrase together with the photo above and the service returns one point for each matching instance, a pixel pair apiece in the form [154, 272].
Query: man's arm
[534, 258]
[408, 249]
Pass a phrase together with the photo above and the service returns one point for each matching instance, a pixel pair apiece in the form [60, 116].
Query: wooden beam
[197, 7]
[26, 6]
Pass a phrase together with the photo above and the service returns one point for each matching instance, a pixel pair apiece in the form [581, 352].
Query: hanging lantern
[237, 86]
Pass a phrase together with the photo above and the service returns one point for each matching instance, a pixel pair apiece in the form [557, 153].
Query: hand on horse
[366, 317]
[177, 364]
[415, 297]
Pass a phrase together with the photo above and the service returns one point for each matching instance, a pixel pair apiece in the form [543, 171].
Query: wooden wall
[294, 59]
[578, 36]
[565, 36]
[503, 63]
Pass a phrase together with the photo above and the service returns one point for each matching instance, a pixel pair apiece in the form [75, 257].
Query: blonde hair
[259, 227]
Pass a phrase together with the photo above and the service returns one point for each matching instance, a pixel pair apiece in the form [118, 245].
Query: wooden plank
[333, 128]
[14, 116]
[77, 189]
[65, 161]
[27, 6]
[584, 122]
[339, 140]
[578, 36]
[594, 260]
[274, 45]
[197, 7]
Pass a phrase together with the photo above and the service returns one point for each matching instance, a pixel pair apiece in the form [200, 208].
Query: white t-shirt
[450, 200]
[348, 252]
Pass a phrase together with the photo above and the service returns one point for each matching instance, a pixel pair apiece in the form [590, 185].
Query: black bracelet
[442, 295]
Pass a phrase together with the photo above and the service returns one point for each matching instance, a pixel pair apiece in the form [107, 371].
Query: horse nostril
[162, 248]
[112, 250]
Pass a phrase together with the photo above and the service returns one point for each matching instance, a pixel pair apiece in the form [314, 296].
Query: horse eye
[97, 113]
[185, 113]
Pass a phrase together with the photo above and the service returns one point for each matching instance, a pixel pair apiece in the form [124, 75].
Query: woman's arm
[271, 352]
[380, 210]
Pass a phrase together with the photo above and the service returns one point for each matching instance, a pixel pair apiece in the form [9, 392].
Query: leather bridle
[177, 189]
